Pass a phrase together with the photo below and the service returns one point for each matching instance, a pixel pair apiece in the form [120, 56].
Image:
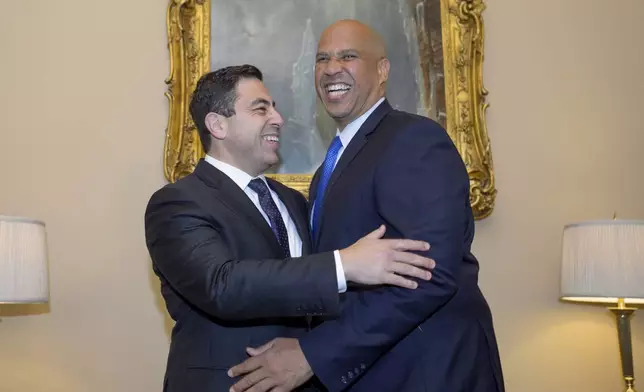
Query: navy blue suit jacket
[403, 171]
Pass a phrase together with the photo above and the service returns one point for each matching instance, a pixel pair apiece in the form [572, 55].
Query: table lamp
[603, 262]
[24, 274]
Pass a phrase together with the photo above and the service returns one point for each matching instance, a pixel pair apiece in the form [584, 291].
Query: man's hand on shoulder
[373, 261]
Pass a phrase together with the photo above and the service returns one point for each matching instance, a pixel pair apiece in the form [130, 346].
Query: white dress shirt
[352, 128]
[242, 179]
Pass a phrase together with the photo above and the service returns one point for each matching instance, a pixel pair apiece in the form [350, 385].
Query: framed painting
[435, 48]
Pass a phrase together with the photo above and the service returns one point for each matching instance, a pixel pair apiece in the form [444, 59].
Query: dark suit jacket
[403, 171]
[225, 280]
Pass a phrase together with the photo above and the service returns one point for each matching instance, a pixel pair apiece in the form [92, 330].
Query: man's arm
[421, 189]
[190, 252]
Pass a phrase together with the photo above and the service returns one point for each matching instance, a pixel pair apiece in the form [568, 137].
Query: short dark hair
[216, 92]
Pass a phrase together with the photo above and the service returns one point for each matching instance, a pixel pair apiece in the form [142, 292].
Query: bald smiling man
[403, 171]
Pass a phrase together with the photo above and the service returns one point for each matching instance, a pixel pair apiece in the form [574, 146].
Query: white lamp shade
[603, 261]
[24, 274]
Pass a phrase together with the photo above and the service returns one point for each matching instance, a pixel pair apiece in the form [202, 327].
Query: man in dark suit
[402, 170]
[232, 248]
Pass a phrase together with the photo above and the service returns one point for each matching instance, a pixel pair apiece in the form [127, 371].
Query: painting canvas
[280, 38]
[436, 53]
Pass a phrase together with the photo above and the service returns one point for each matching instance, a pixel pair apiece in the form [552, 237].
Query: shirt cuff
[339, 272]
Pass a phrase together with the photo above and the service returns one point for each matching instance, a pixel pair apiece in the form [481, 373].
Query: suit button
[357, 371]
[344, 380]
[362, 366]
[350, 374]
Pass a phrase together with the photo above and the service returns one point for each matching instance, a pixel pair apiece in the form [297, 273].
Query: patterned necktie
[327, 169]
[274, 216]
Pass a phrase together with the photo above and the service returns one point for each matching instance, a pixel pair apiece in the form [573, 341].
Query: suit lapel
[296, 213]
[235, 198]
[313, 191]
[350, 152]
[357, 143]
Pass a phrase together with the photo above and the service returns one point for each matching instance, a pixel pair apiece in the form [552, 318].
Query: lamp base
[623, 315]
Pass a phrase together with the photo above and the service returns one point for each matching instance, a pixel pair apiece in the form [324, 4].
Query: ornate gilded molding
[188, 24]
[462, 25]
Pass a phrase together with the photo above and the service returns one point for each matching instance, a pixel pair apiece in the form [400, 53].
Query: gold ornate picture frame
[189, 42]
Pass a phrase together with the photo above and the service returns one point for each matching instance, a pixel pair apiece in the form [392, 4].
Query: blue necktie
[327, 169]
[274, 216]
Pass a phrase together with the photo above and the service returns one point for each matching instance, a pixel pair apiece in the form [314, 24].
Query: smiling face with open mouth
[250, 139]
[350, 70]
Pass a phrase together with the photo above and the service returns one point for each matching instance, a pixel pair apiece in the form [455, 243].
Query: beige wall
[82, 116]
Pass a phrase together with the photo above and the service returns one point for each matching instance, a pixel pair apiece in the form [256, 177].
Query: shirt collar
[239, 177]
[354, 126]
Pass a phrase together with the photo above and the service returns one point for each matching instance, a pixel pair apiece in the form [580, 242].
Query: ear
[383, 70]
[217, 125]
